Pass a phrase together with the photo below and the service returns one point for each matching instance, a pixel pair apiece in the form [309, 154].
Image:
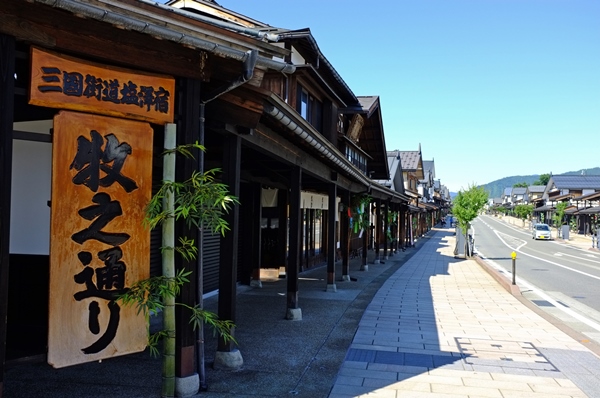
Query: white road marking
[543, 295]
[548, 261]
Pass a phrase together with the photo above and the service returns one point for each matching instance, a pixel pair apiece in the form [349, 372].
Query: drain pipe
[247, 73]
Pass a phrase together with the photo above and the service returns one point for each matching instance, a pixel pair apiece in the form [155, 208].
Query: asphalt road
[560, 279]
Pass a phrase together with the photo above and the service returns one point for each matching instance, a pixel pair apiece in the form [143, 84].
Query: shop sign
[101, 180]
[60, 81]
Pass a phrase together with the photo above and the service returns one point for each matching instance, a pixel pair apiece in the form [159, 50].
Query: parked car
[541, 231]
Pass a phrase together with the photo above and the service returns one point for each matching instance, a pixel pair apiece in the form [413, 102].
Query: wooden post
[331, 213]
[386, 224]
[229, 242]
[377, 231]
[293, 311]
[345, 236]
[188, 128]
[7, 87]
[254, 241]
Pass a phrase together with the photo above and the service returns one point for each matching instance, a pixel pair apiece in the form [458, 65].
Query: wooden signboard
[60, 81]
[355, 128]
[101, 181]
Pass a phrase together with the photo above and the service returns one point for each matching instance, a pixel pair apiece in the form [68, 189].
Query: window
[310, 108]
[357, 158]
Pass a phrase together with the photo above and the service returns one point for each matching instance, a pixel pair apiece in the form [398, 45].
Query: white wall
[31, 183]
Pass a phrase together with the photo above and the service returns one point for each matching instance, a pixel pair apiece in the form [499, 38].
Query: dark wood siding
[274, 83]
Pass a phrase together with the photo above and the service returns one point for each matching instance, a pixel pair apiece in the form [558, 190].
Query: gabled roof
[565, 181]
[396, 180]
[519, 191]
[507, 191]
[302, 39]
[372, 137]
[536, 188]
[429, 166]
[412, 162]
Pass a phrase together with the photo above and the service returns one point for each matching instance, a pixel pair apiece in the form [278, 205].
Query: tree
[466, 206]
[543, 180]
[520, 185]
[200, 201]
[523, 211]
[559, 215]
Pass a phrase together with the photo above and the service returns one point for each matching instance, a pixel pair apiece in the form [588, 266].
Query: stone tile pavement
[443, 327]
[420, 324]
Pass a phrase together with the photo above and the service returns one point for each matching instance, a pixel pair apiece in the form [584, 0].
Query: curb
[505, 283]
[516, 292]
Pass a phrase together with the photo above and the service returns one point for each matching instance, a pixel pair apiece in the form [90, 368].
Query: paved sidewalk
[443, 327]
[420, 324]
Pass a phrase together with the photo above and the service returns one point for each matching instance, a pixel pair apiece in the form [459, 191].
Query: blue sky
[489, 88]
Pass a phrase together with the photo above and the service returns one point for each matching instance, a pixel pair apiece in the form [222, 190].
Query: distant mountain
[496, 188]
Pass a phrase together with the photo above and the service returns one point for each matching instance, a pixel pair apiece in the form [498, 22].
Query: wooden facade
[278, 131]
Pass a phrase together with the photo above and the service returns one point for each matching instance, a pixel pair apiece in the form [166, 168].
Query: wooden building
[104, 77]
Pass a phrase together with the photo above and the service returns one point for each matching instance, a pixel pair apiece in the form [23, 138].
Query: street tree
[520, 185]
[466, 206]
[523, 212]
[559, 215]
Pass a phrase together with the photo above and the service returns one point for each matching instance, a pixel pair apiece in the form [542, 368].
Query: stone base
[376, 261]
[331, 287]
[345, 278]
[187, 386]
[255, 283]
[294, 314]
[231, 360]
[364, 267]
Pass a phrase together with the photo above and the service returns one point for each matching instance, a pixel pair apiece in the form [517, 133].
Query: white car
[541, 231]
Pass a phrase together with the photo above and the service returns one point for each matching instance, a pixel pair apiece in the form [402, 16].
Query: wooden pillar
[311, 236]
[410, 229]
[7, 89]
[229, 242]
[253, 241]
[282, 206]
[377, 231]
[402, 225]
[187, 132]
[293, 310]
[394, 229]
[384, 234]
[303, 262]
[345, 236]
[331, 216]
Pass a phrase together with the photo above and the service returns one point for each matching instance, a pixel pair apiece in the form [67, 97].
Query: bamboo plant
[201, 202]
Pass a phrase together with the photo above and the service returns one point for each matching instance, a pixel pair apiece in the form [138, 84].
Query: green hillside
[496, 188]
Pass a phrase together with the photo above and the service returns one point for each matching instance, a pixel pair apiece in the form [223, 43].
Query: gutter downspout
[247, 74]
[162, 32]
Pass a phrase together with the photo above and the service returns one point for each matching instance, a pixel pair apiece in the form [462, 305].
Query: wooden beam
[62, 31]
